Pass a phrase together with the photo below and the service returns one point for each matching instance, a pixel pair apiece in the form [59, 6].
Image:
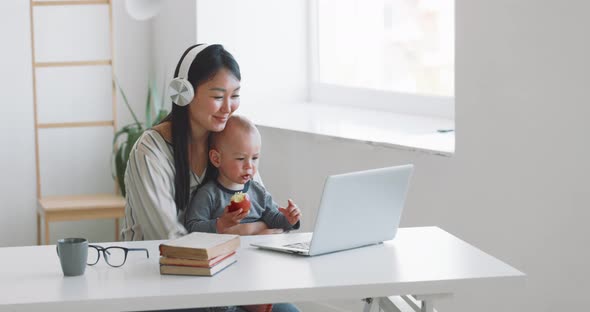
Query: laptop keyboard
[302, 245]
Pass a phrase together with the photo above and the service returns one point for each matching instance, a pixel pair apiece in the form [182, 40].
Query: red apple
[240, 200]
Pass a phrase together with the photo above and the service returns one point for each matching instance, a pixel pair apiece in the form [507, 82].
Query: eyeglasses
[115, 256]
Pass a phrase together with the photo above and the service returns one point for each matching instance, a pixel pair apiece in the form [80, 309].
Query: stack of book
[198, 254]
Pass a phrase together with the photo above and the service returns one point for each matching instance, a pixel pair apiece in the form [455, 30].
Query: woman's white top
[150, 210]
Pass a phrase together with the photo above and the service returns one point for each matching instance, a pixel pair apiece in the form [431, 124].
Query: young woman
[169, 161]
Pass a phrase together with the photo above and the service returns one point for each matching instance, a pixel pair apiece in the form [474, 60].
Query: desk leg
[417, 303]
[388, 305]
[371, 305]
[428, 301]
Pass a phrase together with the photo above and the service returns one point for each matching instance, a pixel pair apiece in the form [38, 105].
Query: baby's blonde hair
[235, 122]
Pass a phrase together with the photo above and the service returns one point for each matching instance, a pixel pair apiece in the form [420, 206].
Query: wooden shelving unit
[73, 207]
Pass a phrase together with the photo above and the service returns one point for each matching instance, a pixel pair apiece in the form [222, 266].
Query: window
[398, 50]
[346, 69]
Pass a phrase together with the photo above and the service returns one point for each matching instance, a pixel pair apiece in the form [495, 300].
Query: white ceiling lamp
[143, 9]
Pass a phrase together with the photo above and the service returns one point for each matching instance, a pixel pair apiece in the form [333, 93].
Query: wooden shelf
[73, 207]
[79, 207]
[66, 3]
[82, 207]
[79, 124]
[70, 202]
[75, 63]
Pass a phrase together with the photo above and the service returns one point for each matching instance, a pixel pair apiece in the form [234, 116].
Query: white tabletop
[425, 260]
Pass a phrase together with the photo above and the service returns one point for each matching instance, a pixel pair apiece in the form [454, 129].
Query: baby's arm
[274, 219]
[198, 214]
[291, 212]
[200, 217]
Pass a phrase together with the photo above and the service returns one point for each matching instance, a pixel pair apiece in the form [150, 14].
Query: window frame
[373, 99]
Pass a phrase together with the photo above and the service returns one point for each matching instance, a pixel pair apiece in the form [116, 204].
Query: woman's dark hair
[204, 67]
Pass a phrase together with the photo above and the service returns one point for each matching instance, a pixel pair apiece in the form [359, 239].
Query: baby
[234, 152]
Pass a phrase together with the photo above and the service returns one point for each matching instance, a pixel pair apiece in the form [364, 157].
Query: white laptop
[357, 209]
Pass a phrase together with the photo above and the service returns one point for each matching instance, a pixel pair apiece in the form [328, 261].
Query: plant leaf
[132, 137]
[120, 167]
[116, 147]
[125, 99]
[163, 98]
[120, 153]
[133, 131]
[148, 109]
[124, 130]
[161, 115]
[155, 96]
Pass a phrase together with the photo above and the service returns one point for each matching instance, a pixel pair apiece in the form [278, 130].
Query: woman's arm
[151, 210]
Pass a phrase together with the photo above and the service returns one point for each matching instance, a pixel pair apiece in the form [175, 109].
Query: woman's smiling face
[215, 100]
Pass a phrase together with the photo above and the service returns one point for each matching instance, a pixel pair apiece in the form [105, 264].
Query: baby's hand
[292, 212]
[229, 219]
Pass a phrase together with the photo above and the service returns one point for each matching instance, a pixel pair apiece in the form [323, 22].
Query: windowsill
[406, 132]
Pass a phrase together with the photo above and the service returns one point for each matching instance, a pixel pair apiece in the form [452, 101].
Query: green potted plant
[126, 137]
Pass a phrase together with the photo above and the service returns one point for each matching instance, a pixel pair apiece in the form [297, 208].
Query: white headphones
[180, 89]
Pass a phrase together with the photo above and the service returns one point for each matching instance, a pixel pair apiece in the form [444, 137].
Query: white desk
[425, 260]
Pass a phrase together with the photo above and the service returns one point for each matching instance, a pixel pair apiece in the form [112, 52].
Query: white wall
[17, 151]
[133, 61]
[17, 158]
[518, 184]
[173, 31]
[267, 38]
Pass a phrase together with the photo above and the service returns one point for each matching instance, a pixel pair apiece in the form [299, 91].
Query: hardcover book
[195, 263]
[193, 270]
[200, 246]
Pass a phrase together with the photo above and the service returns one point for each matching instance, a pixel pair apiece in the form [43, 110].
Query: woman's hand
[229, 220]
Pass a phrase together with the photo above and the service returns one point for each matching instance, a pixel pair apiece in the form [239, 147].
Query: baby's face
[239, 153]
